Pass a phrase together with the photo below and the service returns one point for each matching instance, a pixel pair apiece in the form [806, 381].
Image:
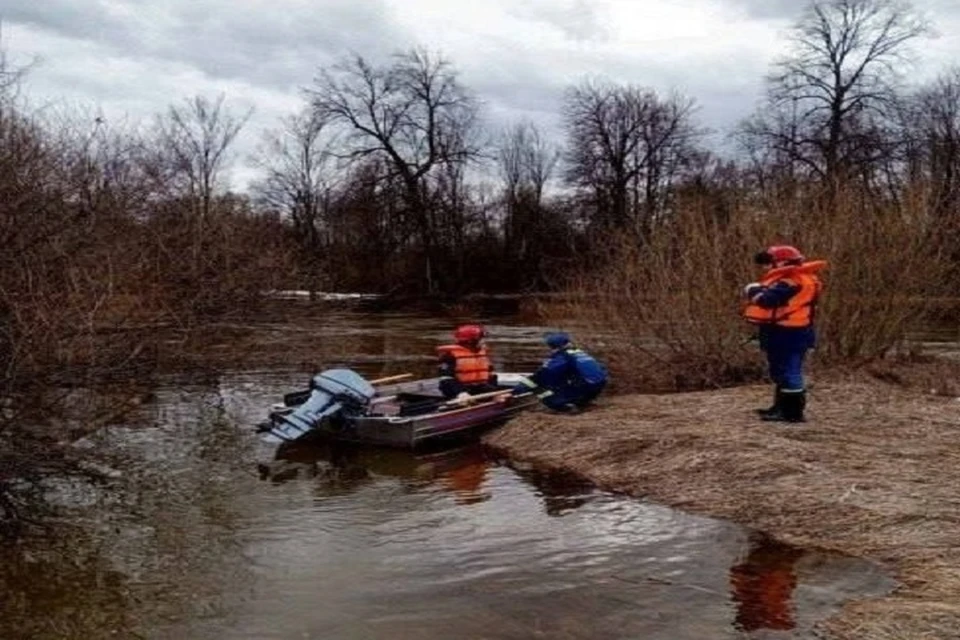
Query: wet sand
[875, 473]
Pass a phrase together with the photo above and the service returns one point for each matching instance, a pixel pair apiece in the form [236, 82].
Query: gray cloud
[790, 10]
[577, 19]
[137, 56]
[271, 46]
[770, 9]
[62, 16]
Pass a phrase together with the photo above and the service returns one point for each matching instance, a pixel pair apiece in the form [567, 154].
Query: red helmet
[469, 333]
[779, 254]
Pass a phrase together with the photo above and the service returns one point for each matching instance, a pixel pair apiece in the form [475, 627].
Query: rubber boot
[775, 407]
[793, 406]
[790, 409]
[777, 414]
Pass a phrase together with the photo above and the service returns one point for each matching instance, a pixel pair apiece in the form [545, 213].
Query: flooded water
[205, 534]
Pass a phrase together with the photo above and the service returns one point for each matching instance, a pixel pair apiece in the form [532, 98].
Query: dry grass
[667, 309]
[874, 474]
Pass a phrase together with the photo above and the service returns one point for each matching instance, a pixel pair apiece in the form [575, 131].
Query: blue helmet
[557, 340]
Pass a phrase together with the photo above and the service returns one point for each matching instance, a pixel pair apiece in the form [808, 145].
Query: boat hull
[411, 414]
[413, 431]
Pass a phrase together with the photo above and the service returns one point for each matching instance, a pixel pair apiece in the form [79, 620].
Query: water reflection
[59, 588]
[561, 492]
[465, 477]
[762, 585]
[461, 471]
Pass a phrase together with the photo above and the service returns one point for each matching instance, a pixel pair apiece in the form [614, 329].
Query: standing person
[574, 377]
[465, 366]
[783, 305]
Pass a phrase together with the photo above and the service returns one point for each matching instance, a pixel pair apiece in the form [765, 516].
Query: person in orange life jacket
[783, 307]
[465, 366]
[573, 377]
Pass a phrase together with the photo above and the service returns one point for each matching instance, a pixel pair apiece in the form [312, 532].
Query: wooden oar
[479, 396]
[452, 408]
[401, 376]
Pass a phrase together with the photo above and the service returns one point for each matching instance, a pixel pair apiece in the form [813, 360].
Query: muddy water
[204, 534]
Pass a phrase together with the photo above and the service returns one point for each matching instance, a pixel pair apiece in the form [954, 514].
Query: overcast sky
[131, 58]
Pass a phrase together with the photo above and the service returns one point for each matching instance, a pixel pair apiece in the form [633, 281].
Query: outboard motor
[332, 392]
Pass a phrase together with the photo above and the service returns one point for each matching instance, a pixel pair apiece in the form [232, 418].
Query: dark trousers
[786, 367]
[451, 387]
[579, 396]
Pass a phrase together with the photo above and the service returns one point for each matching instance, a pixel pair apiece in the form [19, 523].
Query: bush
[665, 312]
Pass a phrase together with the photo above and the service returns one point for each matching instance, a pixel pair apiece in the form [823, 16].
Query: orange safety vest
[799, 310]
[472, 367]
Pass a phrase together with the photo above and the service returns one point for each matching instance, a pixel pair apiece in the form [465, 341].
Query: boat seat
[414, 404]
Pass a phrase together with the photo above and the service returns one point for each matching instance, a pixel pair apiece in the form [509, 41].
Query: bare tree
[414, 114]
[526, 161]
[626, 146]
[190, 152]
[830, 96]
[197, 137]
[932, 135]
[11, 75]
[299, 178]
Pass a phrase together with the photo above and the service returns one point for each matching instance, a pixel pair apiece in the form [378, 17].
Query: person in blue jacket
[573, 376]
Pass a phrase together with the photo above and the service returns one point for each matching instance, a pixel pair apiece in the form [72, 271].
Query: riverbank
[873, 473]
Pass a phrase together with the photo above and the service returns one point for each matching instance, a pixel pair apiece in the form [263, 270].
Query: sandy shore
[874, 473]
